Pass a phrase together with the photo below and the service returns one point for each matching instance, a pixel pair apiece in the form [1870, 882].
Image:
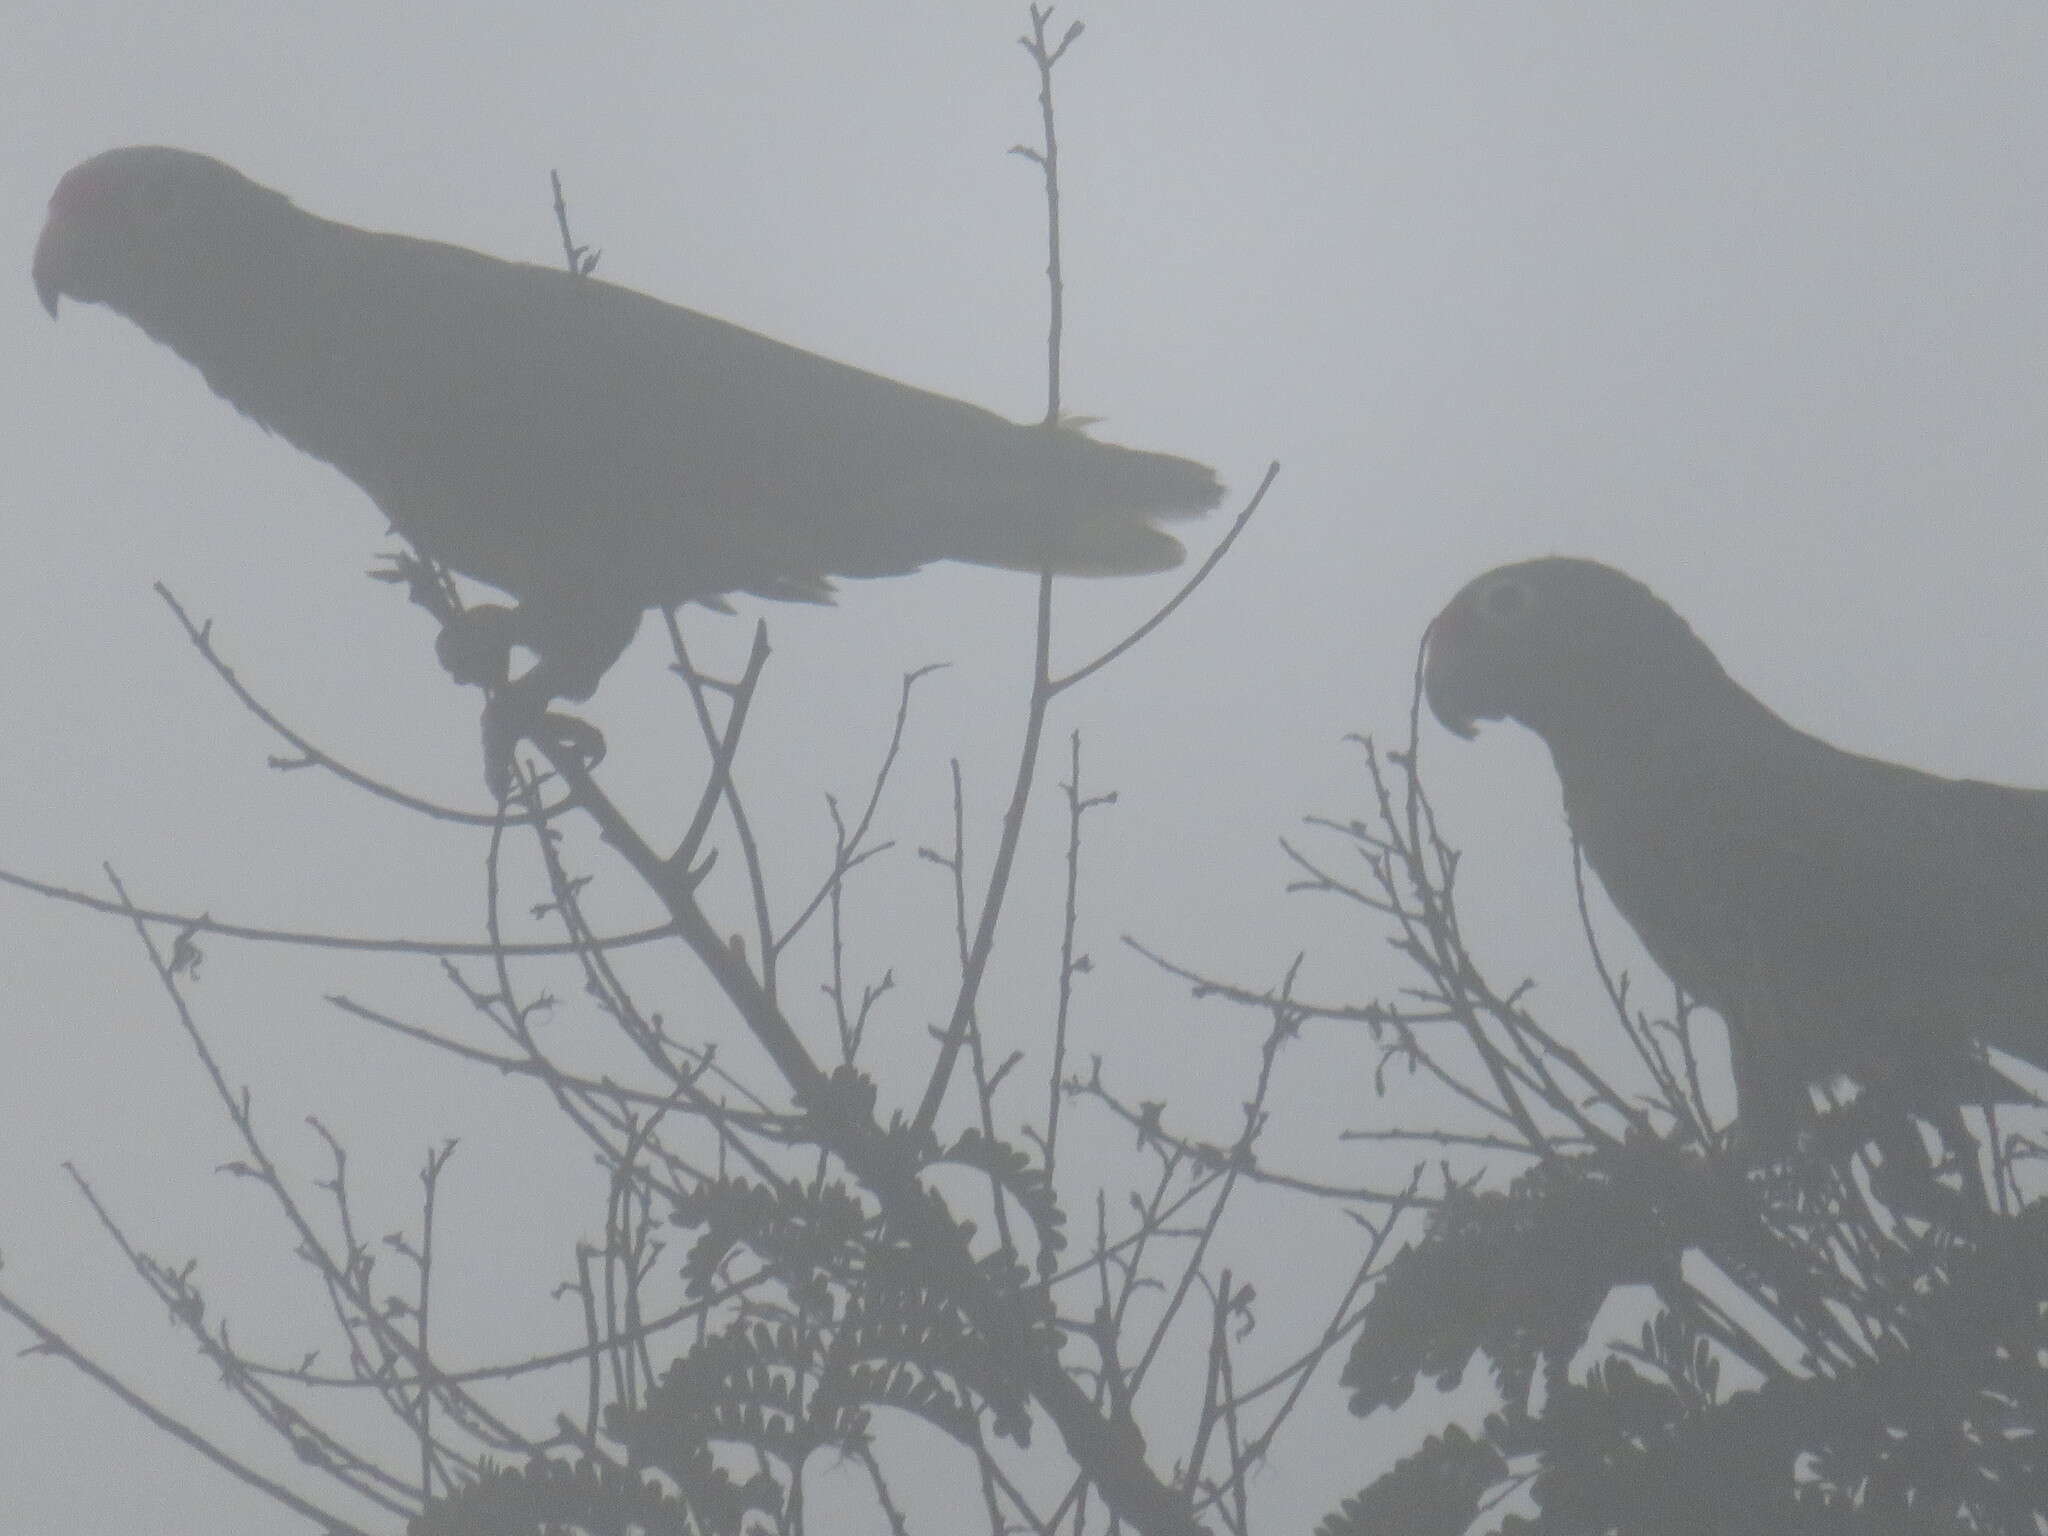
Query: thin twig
[188, 923]
[1061, 684]
[54, 1343]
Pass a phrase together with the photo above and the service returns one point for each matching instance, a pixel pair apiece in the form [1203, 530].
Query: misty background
[1743, 299]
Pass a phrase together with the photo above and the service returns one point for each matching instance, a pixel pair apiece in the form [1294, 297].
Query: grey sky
[1742, 298]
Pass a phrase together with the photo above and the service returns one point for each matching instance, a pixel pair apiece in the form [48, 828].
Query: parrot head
[129, 220]
[1555, 643]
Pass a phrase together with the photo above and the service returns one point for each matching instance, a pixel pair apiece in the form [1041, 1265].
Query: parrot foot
[476, 646]
[512, 715]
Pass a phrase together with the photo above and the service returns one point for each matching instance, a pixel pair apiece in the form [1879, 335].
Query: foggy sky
[1743, 299]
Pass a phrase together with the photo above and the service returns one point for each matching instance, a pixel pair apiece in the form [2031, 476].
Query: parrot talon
[515, 714]
[579, 737]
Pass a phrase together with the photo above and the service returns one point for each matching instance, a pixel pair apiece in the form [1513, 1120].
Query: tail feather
[1079, 507]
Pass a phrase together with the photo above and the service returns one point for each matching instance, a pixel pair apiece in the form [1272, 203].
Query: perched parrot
[1844, 916]
[589, 450]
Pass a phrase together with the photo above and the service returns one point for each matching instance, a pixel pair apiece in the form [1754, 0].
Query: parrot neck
[1674, 717]
[215, 313]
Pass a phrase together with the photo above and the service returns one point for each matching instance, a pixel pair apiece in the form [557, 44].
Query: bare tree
[1846, 1341]
[845, 1266]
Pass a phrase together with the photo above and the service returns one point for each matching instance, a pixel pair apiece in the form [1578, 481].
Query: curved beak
[1440, 680]
[52, 258]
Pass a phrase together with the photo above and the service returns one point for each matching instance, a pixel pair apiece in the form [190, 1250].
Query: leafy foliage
[555, 1498]
[1024, 1181]
[1936, 1422]
[1516, 1275]
[1435, 1492]
[855, 1320]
